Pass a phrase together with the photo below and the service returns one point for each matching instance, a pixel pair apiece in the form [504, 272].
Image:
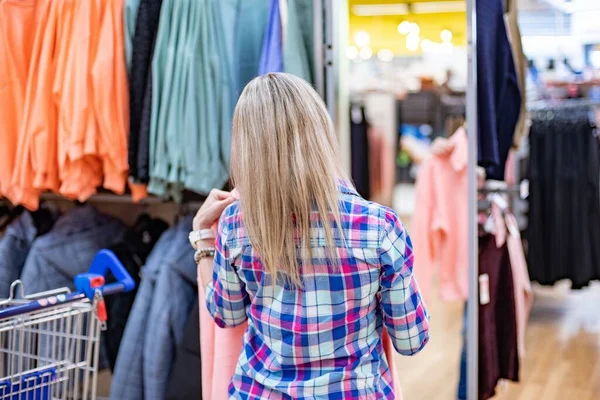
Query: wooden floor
[562, 360]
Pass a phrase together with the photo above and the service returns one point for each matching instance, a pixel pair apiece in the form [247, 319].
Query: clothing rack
[544, 105]
[110, 198]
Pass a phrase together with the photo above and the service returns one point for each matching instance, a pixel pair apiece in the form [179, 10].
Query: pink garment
[382, 170]
[220, 350]
[376, 150]
[506, 231]
[439, 225]
[509, 170]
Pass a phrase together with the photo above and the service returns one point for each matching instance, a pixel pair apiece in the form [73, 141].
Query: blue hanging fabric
[271, 58]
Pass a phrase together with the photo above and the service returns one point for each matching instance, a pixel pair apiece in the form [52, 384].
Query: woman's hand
[208, 215]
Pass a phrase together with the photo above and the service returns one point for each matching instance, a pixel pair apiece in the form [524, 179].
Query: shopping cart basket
[50, 342]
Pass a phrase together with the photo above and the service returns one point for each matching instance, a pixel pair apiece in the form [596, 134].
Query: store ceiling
[380, 20]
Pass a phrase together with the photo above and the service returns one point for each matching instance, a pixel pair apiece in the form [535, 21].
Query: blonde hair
[285, 164]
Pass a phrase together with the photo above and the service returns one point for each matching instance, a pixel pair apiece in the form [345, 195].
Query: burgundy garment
[498, 349]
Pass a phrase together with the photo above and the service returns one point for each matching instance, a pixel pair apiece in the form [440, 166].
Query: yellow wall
[383, 29]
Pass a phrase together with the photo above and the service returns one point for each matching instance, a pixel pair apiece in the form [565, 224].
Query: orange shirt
[38, 113]
[77, 159]
[16, 46]
[111, 97]
[64, 82]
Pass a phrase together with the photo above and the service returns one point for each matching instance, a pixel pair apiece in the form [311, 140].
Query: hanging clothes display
[16, 244]
[157, 319]
[188, 360]
[138, 89]
[289, 40]
[497, 333]
[505, 299]
[71, 131]
[129, 19]
[145, 26]
[271, 59]
[563, 233]
[299, 43]
[498, 350]
[439, 225]
[132, 252]
[498, 96]
[16, 50]
[514, 37]
[188, 132]
[251, 24]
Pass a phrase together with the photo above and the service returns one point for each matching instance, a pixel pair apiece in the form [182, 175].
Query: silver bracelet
[204, 253]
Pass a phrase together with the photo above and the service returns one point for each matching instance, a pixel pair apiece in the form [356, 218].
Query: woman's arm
[226, 297]
[404, 313]
[205, 266]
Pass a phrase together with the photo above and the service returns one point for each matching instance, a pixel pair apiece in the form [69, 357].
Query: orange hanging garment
[111, 97]
[43, 127]
[80, 168]
[17, 17]
[39, 115]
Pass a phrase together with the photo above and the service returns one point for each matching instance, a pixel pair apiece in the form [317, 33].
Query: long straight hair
[285, 164]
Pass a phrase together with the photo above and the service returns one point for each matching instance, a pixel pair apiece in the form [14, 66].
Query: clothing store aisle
[562, 358]
[433, 373]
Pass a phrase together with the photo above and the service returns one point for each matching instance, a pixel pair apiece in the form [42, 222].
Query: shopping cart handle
[104, 261]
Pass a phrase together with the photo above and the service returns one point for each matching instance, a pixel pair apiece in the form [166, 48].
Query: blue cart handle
[93, 280]
[87, 285]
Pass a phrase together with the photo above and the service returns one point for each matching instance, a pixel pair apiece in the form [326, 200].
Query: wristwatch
[201, 234]
[204, 253]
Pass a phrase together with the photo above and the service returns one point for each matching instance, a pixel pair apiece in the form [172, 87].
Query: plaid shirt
[323, 340]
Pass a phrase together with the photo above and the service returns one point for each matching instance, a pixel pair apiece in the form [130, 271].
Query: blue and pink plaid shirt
[322, 340]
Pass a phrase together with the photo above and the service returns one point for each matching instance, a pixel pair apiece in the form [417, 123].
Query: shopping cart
[50, 341]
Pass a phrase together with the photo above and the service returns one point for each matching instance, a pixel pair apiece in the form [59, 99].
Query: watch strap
[200, 234]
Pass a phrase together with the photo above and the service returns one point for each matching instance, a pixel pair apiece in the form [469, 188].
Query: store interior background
[407, 68]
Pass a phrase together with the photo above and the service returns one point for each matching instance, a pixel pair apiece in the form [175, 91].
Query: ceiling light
[428, 46]
[412, 42]
[385, 55]
[352, 52]
[371, 10]
[366, 53]
[435, 7]
[446, 35]
[404, 28]
[446, 48]
[361, 39]
[414, 28]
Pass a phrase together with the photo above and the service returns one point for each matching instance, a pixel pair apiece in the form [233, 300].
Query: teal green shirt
[129, 19]
[299, 46]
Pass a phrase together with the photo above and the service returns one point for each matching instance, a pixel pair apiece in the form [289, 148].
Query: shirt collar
[347, 188]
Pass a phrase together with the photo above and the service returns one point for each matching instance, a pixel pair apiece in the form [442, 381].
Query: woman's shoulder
[362, 214]
[231, 216]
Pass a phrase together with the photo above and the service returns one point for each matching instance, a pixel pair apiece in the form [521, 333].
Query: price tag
[484, 289]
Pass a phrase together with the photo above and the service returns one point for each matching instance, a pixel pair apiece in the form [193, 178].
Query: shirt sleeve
[226, 296]
[404, 313]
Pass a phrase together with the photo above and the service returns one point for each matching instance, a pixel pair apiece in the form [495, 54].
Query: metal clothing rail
[110, 198]
[472, 128]
[543, 105]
